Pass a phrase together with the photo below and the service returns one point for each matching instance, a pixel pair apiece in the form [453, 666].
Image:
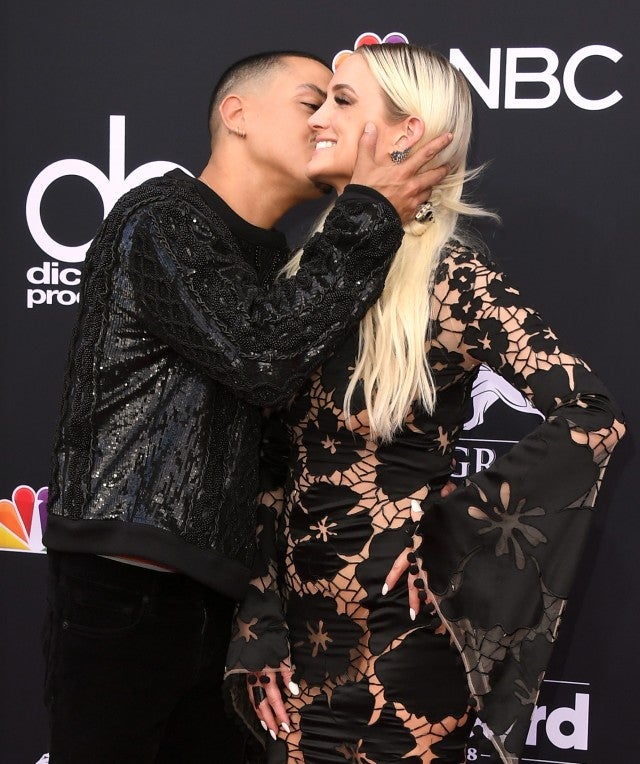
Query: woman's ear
[412, 131]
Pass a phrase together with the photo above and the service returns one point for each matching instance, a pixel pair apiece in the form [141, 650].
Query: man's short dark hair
[249, 68]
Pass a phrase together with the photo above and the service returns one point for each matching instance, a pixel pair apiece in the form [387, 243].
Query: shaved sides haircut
[249, 70]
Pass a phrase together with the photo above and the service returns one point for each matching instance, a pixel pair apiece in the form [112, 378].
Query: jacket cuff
[356, 191]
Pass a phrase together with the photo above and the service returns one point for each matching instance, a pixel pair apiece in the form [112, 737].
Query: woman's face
[353, 99]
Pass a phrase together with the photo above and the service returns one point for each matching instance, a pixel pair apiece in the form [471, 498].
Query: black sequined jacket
[177, 345]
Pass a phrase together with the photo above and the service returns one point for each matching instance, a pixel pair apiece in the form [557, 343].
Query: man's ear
[231, 112]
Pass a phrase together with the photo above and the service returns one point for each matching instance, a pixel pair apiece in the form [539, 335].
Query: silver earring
[240, 133]
[399, 156]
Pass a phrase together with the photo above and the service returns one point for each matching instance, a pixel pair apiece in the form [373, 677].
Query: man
[179, 342]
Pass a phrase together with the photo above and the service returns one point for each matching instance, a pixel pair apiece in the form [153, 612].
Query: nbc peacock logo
[368, 38]
[23, 519]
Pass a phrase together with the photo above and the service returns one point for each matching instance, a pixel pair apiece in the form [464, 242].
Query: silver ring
[424, 213]
[397, 157]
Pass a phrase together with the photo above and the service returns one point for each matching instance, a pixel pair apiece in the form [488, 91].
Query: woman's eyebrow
[340, 86]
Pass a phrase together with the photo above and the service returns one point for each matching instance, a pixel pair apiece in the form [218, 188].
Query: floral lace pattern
[498, 554]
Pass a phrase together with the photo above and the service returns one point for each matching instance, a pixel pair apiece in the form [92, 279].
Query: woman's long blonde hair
[392, 362]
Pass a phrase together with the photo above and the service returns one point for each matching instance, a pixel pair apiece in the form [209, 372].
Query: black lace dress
[499, 552]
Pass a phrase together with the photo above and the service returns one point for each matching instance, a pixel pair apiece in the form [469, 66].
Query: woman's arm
[259, 647]
[500, 552]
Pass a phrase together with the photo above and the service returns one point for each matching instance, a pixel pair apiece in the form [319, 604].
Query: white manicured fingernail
[385, 589]
[264, 725]
[415, 507]
[294, 689]
[273, 734]
[412, 614]
[285, 727]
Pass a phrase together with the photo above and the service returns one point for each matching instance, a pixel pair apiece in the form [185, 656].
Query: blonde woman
[391, 667]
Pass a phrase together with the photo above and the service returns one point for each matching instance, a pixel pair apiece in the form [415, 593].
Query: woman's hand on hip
[407, 563]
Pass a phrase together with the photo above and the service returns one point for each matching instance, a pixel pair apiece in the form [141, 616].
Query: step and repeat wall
[100, 96]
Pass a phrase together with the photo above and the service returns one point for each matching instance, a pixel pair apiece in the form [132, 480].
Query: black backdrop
[563, 175]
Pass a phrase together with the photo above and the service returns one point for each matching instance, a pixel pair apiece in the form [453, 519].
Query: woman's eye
[312, 106]
[341, 101]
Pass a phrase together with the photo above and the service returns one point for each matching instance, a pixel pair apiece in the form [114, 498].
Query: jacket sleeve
[199, 296]
[500, 552]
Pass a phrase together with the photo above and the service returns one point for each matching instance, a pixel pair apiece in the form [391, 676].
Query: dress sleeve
[199, 296]
[501, 551]
[260, 638]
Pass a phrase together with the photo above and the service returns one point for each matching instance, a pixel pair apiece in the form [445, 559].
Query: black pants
[134, 666]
